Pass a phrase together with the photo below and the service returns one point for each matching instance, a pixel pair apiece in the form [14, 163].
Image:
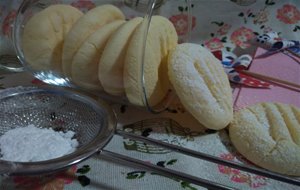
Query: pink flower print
[289, 14]
[240, 37]
[224, 169]
[258, 181]
[214, 44]
[37, 81]
[68, 176]
[26, 182]
[8, 20]
[261, 17]
[240, 178]
[180, 23]
[83, 5]
[228, 157]
[224, 29]
[51, 182]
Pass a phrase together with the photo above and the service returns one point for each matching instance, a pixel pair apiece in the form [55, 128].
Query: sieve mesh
[61, 111]
[46, 110]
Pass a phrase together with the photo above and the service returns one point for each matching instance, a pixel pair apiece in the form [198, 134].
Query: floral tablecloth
[216, 24]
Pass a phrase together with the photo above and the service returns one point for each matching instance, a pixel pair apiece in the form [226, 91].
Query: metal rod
[269, 78]
[210, 158]
[129, 161]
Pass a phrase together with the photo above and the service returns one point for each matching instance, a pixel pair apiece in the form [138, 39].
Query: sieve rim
[84, 152]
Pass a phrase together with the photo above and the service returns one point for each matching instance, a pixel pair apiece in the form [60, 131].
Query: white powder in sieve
[29, 144]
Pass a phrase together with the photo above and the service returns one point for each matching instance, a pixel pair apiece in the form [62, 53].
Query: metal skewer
[129, 161]
[209, 158]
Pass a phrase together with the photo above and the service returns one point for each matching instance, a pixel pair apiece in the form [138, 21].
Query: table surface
[218, 25]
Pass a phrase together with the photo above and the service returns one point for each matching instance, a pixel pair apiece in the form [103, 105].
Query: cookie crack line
[257, 118]
[287, 119]
[297, 116]
[270, 152]
[271, 128]
[206, 81]
[226, 105]
[293, 168]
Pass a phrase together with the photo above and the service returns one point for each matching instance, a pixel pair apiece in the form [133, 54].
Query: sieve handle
[128, 161]
[210, 158]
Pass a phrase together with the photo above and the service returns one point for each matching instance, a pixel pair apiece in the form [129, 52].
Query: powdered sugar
[28, 144]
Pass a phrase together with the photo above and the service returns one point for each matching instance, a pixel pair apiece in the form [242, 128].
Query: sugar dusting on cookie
[268, 134]
[201, 84]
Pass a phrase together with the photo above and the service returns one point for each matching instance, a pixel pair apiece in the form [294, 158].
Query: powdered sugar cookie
[161, 38]
[86, 60]
[84, 27]
[111, 64]
[44, 33]
[201, 84]
[268, 134]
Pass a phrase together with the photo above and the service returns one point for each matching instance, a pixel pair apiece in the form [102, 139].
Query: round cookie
[84, 27]
[86, 59]
[44, 33]
[201, 84]
[112, 61]
[160, 39]
[268, 134]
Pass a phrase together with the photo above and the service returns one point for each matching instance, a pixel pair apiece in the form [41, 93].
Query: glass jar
[131, 9]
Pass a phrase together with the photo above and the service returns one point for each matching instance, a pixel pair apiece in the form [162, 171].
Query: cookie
[86, 60]
[160, 39]
[44, 33]
[111, 64]
[201, 84]
[83, 28]
[268, 134]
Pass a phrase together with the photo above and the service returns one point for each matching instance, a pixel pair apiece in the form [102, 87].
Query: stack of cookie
[100, 50]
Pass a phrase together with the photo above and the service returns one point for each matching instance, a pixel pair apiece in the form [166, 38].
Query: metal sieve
[91, 120]
[94, 125]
